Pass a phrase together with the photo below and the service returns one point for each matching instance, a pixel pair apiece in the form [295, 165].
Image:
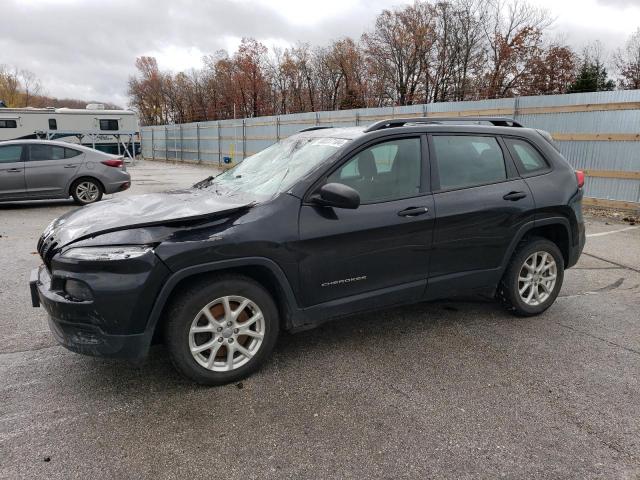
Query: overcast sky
[87, 48]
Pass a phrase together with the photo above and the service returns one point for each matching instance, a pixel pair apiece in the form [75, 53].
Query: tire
[188, 311]
[522, 267]
[86, 190]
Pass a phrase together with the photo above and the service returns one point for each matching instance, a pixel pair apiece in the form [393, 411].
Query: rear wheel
[533, 278]
[221, 332]
[86, 190]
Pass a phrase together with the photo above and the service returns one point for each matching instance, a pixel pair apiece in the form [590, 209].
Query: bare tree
[627, 61]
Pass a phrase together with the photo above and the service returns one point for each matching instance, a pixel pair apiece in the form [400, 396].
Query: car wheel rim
[227, 333]
[537, 278]
[87, 192]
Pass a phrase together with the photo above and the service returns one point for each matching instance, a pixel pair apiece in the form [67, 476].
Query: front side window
[10, 153]
[107, 124]
[45, 152]
[465, 161]
[8, 124]
[527, 158]
[386, 171]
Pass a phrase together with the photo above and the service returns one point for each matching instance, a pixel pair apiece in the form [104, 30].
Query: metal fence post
[166, 143]
[181, 143]
[516, 105]
[219, 146]
[317, 118]
[198, 141]
[357, 119]
[278, 128]
[153, 145]
[175, 144]
[244, 139]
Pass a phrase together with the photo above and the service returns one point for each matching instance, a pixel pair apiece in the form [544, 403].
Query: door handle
[69, 166]
[413, 211]
[14, 170]
[514, 196]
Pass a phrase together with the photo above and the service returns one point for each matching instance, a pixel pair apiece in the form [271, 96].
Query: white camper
[111, 131]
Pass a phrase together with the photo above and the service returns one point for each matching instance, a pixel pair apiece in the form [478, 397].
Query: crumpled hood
[140, 211]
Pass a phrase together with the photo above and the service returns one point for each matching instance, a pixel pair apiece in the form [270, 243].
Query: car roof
[54, 142]
[352, 133]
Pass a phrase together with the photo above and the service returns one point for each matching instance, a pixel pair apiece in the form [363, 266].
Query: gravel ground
[450, 389]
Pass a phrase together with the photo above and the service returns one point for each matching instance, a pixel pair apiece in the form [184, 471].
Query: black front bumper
[81, 337]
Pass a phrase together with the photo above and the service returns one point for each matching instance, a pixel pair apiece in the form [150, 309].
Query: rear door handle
[413, 211]
[14, 170]
[513, 196]
[69, 166]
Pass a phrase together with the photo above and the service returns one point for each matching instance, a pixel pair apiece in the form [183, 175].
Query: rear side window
[8, 124]
[527, 158]
[70, 153]
[10, 153]
[465, 161]
[106, 124]
[45, 152]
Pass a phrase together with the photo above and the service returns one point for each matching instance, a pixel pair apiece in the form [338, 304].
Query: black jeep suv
[327, 223]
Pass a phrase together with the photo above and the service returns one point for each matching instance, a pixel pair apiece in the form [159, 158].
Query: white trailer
[111, 131]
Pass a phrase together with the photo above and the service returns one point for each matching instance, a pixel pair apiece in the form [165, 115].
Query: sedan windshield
[276, 168]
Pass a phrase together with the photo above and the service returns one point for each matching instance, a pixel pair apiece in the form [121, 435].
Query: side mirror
[337, 195]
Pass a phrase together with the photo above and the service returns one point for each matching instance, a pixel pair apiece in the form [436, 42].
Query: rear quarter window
[527, 158]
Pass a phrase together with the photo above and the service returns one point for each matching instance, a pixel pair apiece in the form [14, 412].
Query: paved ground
[447, 389]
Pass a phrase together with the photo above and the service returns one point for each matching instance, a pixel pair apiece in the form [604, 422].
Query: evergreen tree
[592, 77]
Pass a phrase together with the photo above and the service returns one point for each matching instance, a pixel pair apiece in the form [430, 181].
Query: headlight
[123, 252]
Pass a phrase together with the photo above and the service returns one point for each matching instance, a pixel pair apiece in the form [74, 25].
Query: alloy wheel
[226, 333]
[87, 192]
[537, 278]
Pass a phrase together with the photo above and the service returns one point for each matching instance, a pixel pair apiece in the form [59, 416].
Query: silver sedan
[38, 169]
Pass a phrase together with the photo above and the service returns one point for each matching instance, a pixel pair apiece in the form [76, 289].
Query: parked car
[326, 223]
[40, 169]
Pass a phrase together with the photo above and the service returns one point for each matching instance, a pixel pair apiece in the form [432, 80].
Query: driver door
[384, 244]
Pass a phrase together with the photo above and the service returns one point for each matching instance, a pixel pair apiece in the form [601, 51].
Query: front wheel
[222, 331]
[533, 278]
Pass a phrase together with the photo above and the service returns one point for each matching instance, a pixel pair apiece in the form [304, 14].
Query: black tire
[508, 289]
[94, 186]
[187, 305]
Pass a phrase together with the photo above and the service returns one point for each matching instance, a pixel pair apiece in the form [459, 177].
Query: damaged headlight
[122, 252]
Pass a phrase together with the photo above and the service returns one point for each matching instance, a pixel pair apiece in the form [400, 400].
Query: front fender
[294, 313]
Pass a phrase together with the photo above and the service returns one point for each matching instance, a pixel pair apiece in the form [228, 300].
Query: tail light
[580, 178]
[113, 162]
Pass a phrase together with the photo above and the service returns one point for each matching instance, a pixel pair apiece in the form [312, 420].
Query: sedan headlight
[123, 252]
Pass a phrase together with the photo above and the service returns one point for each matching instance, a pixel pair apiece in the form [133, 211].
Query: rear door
[481, 203]
[12, 183]
[383, 244]
[50, 169]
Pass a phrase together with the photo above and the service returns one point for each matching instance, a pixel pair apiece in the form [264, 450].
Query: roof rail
[316, 127]
[399, 122]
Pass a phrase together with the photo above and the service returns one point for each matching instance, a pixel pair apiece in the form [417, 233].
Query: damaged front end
[100, 275]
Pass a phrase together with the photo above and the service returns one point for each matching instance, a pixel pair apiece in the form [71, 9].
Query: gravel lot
[452, 389]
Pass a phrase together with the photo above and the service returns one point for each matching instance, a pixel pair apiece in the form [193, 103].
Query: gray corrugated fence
[597, 132]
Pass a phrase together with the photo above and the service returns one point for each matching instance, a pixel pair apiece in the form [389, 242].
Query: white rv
[111, 131]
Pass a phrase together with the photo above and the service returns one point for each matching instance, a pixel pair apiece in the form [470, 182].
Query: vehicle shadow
[423, 319]
[28, 204]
